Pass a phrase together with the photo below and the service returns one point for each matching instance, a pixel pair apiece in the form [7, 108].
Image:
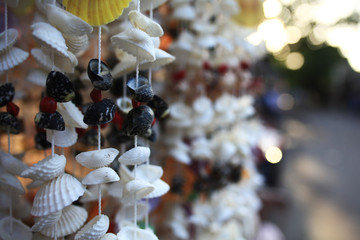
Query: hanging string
[11, 214]
[99, 137]
[138, 5]
[52, 144]
[99, 50]
[8, 133]
[99, 191]
[6, 36]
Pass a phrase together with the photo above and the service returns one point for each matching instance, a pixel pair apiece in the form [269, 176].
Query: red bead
[179, 75]
[40, 130]
[96, 95]
[12, 108]
[206, 65]
[118, 120]
[48, 105]
[222, 69]
[244, 65]
[153, 122]
[135, 103]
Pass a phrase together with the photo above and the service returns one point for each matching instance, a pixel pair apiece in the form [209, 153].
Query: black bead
[8, 121]
[52, 121]
[138, 121]
[7, 92]
[99, 113]
[159, 106]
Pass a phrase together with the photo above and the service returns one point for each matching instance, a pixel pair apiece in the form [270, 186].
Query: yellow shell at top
[96, 12]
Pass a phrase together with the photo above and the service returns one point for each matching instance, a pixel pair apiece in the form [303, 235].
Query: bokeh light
[273, 155]
[285, 102]
[294, 61]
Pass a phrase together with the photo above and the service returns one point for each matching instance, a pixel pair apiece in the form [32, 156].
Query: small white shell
[180, 155]
[180, 111]
[71, 114]
[128, 233]
[184, 12]
[125, 174]
[160, 189]
[201, 149]
[146, 24]
[162, 58]
[77, 44]
[126, 213]
[109, 236]
[150, 4]
[71, 219]
[97, 158]
[149, 173]
[20, 230]
[46, 169]
[92, 193]
[137, 189]
[37, 77]
[11, 164]
[11, 58]
[9, 182]
[49, 36]
[65, 138]
[61, 63]
[94, 229]
[135, 42]
[126, 66]
[135, 155]
[202, 104]
[66, 22]
[203, 27]
[206, 41]
[46, 221]
[124, 104]
[101, 175]
[57, 194]
[12, 35]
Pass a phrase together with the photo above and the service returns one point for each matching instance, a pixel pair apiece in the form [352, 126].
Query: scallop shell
[59, 86]
[135, 156]
[66, 22]
[71, 219]
[53, 121]
[102, 80]
[126, 66]
[49, 36]
[109, 236]
[149, 173]
[65, 138]
[100, 112]
[37, 77]
[139, 121]
[162, 58]
[128, 233]
[184, 12]
[150, 4]
[101, 175]
[71, 114]
[12, 35]
[56, 195]
[137, 189]
[77, 44]
[94, 229]
[11, 58]
[160, 189]
[57, 63]
[96, 12]
[20, 230]
[9, 182]
[11, 164]
[135, 42]
[41, 5]
[46, 221]
[146, 24]
[46, 169]
[97, 158]
[124, 104]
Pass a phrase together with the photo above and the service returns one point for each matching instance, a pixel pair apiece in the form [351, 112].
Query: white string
[52, 144]
[124, 85]
[138, 5]
[99, 191]
[8, 133]
[99, 137]
[99, 50]
[151, 9]
[6, 35]
[150, 76]
[11, 214]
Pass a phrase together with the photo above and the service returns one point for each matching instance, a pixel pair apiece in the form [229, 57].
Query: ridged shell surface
[70, 221]
[138, 189]
[12, 35]
[146, 24]
[11, 164]
[135, 155]
[10, 182]
[149, 173]
[128, 233]
[94, 229]
[160, 189]
[46, 221]
[46, 169]
[11, 58]
[57, 194]
[101, 175]
[20, 230]
[77, 44]
[162, 58]
[65, 138]
[71, 114]
[135, 42]
[109, 236]
[97, 158]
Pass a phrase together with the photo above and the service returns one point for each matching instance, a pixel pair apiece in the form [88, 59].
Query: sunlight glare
[273, 33]
[272, 8]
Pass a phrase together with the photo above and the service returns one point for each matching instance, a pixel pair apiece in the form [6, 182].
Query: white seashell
[226, 150]
[180, 155]
[70, 221]
[125, 174]
[11, 58]
[162, 58]
[57, 194]
[9, 182]
[49, 36]
[77, 44]
[184, 43]
[46, 169]
[92, 193]
[184, 12]
[39, 236]
[12, 35]
[11, 3]
[35, 184]
[57, 63]
[37, 77]
[156, 41]
[128, 233]
[201, 149]
[71, 114]
[109, 236]
[135, 42]
[204, 27]
[19, 231]
[126, 213]
[146, 24]
[65, 138]
[97, 158]
[202, 104]
[41, 5]
[136, 189]
[66, 22]
[136, 155]
[124, 104]
[207, 41]
[160, 189]
[150, 4]
[180, 111]
[101, 175]
[149, 173]
[126, 66]
[94, 229]
[11, 164]
[46, 221]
